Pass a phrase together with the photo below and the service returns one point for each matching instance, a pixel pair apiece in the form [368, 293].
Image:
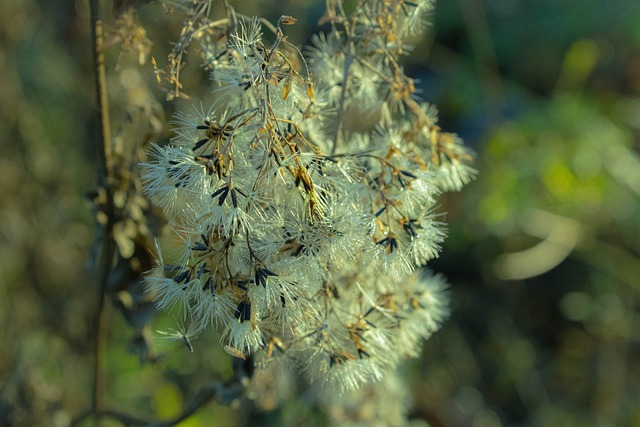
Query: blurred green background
[543, 254]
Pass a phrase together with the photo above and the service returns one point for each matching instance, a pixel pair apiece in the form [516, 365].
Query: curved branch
[224, 393]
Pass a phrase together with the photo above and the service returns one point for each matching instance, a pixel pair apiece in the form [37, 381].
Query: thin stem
[224, 393]
[105, 174]
[348, 59]
[105, 157]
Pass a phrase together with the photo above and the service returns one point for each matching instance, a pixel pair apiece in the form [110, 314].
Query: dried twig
[105, 171]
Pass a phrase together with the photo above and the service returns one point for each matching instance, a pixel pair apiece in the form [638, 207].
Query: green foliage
[547, 298]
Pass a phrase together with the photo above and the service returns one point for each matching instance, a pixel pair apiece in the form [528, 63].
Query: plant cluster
[304, 198]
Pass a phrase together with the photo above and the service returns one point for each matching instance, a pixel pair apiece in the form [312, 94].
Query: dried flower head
[301, 225]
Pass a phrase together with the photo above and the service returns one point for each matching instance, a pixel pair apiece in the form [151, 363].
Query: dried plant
[304, 201]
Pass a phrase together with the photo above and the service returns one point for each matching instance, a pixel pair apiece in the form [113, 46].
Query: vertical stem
[348, 59]
[104, 153]
[105, 182]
